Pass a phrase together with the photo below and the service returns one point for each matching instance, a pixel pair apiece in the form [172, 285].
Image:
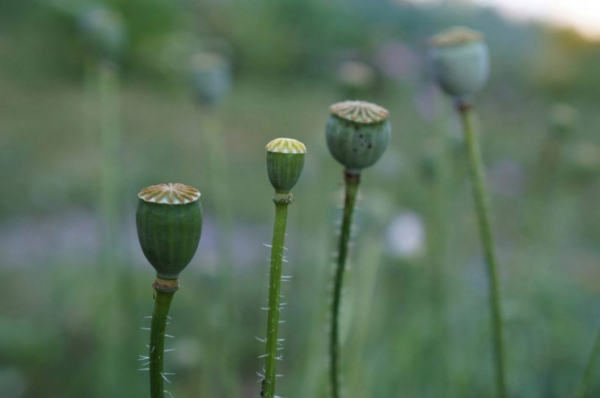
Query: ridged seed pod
[460, 61]
[357, 133]
[285, 161]
[169, 225]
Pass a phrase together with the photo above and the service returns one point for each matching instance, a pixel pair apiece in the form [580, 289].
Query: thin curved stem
[162, 304]
[272, 353]
[482, 206]
[586, 377]
[352, 184]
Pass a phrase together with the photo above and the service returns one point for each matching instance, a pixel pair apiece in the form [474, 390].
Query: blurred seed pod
[285, 161]
[104, 30]
[460, 61]
[583, 160]
[564, 120]
[356, 78]
[169, 225]
[357, 133]
[210, 76]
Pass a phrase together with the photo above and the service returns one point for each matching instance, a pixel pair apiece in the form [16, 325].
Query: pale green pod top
[285, 161]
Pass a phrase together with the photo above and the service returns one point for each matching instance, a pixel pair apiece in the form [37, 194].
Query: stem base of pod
[275, 272]
[162, 304]
[352, 180]
[482, 206]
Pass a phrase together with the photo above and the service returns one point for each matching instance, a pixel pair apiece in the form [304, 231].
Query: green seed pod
[460, 61]
[104, 31]
[210, 77]
[169, 224]
[357, 133]
[564, 120]
[285, 161]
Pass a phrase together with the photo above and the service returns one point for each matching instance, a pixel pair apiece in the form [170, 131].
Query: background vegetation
[416, 319]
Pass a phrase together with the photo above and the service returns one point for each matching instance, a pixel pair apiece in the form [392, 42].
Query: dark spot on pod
[354, 150]
[360, 136]
[370, 146]
[356, 128]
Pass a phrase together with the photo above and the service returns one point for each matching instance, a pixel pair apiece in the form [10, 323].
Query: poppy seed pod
[285, 161]
[460, 61]
[169, 224]
[104, 30]
[210, 77]
[564, 119]
[357, 133]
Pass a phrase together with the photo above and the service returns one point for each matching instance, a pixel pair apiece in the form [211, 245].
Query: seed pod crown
[357, 133]
[169, 225]
[285, 161]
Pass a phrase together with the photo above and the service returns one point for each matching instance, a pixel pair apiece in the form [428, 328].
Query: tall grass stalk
[363, 298]
[588, 373]
[482, 207]
[225, 366]
[111, 272]
[436, 244]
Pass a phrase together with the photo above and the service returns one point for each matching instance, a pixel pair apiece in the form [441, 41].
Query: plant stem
[586, 377]
[352, 183]
[437, 249]
[111, 273]
[482, 207]
[281, 210]
[213, 136]
[108, 87]
[162, 304]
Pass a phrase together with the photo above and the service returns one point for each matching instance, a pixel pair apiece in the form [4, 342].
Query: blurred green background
[85, 123]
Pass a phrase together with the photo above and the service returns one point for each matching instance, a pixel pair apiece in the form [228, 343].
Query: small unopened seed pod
[357, 133]
[564, 119]
[169, 224]
[285, 161]
[104, 30]
[210, 77]
[460, 61]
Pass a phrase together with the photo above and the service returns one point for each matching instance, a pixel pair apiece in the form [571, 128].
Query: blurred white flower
[406, 235]
[187, 352]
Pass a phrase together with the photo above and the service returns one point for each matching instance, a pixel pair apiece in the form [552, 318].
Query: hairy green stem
[268, 390]
[162, 303]
[352, 183]
[586, 377]
[482, 205]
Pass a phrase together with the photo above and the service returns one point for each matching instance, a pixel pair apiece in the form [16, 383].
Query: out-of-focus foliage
[290, 59]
